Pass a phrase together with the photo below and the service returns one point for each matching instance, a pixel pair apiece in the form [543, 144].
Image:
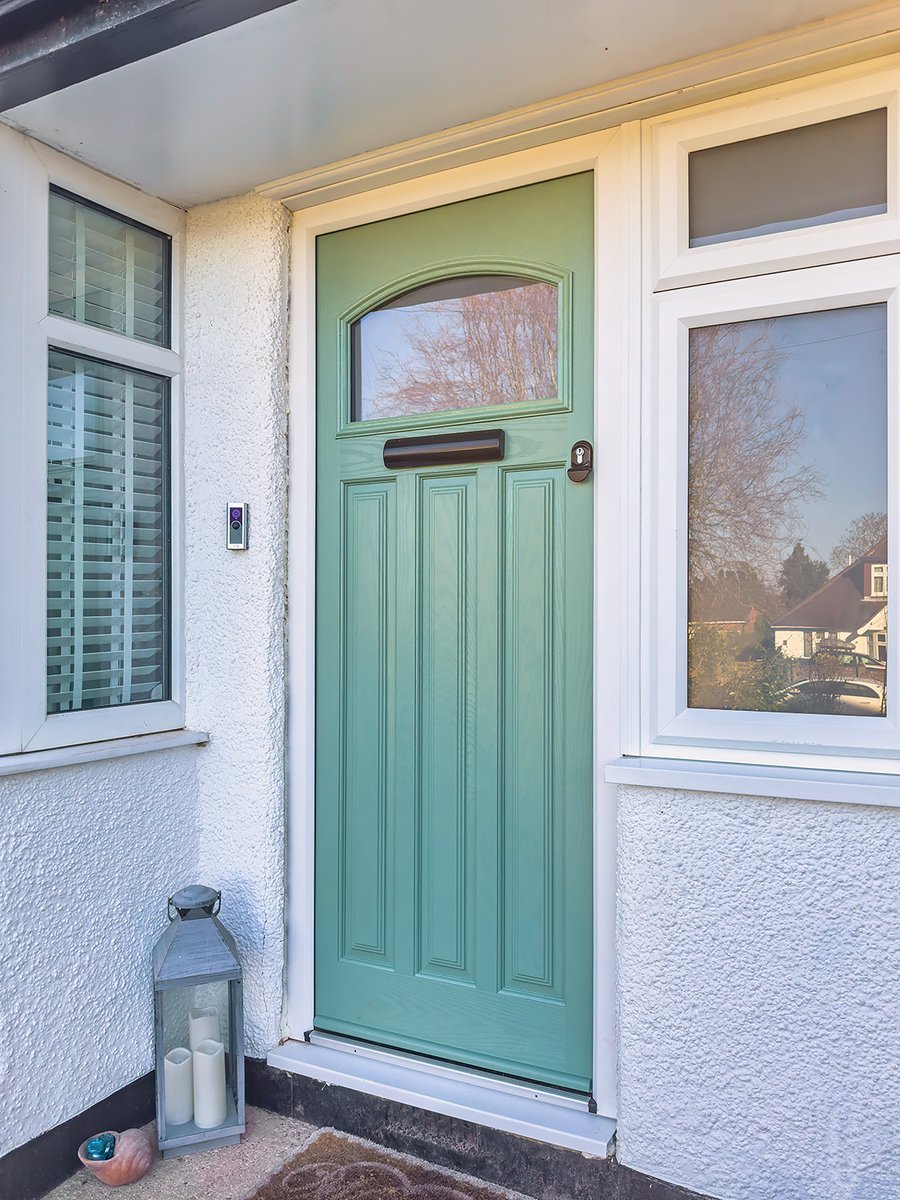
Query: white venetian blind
[107, 535]
[107, 271]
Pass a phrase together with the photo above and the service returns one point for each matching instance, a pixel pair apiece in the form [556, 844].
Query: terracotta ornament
[132, 1158]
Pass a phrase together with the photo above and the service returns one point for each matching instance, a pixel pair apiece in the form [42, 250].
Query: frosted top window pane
[831, 171]
[108, 272]
[107, 535]
[787, 514]
[460, 343]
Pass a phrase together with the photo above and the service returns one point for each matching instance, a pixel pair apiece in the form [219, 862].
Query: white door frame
[614, 157]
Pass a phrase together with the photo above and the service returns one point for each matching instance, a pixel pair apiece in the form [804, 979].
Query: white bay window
[90, 640]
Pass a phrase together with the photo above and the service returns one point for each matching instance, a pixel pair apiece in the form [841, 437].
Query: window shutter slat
[106, 271]
[107, 535]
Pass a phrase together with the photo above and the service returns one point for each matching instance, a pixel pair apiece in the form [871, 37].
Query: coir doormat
[338, 1167]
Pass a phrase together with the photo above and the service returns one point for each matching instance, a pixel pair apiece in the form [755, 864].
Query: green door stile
[453, 911]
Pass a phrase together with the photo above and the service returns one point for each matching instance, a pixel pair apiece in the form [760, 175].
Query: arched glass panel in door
[470, 341]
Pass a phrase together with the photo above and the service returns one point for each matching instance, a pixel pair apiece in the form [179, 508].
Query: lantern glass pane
[179, 1003]
[205, 1007]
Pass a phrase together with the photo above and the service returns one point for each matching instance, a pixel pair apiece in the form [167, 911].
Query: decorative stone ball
[132, 1157]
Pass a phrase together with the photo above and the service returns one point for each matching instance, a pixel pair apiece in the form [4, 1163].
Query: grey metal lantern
[198, 998]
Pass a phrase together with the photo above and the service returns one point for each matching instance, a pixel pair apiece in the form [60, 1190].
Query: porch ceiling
[316, 81]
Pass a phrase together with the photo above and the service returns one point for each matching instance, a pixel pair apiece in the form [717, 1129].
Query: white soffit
[318, 81]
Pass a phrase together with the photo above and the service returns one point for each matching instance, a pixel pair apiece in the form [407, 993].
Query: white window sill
[66, 756]
[790, 783]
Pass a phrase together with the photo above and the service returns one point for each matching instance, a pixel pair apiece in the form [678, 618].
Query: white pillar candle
[209, 1084]
[203, 1024]
[178, 1071]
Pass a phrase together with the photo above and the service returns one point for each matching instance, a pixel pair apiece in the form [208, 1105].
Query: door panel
[367, 604]
[454, 644]
[530, 607]
[446, 741]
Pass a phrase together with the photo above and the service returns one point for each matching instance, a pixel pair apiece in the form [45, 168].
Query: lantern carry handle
[183, 902]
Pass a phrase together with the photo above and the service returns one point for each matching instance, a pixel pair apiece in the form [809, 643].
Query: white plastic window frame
[669, 728]
[668, 141]
[27, 332]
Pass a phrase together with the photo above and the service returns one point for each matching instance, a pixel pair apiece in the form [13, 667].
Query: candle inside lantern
[179, 1086]
[203, 1025]
[209, 1084]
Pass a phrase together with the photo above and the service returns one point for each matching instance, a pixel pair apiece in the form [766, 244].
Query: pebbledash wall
[759, 995]
[236, 309]
[88, 854]
[87, 857]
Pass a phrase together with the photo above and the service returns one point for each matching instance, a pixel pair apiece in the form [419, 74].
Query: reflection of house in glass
[847, 615]
[731, 602]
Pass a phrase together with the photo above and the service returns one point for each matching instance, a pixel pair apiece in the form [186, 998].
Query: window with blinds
[107, 271]
[108, 486]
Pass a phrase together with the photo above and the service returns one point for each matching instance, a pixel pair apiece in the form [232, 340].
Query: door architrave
[614, 158]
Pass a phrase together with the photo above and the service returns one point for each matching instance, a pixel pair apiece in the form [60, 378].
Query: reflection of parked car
[847, 697]
[853, 660]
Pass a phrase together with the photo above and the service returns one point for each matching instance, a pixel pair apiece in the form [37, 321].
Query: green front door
[454, 641]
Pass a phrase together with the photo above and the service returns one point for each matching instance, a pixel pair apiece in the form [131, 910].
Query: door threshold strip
[513, 1108]
[447, 1070]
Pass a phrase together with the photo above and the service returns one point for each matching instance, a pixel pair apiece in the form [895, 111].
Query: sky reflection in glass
[461, 343]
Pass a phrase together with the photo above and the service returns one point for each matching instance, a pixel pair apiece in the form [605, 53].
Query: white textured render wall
[759, 995]
[88, 854]
[236, 307]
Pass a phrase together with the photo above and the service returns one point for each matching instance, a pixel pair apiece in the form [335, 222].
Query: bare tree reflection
[859, 537]
[747, 482]
[497, 347]
[746, 476]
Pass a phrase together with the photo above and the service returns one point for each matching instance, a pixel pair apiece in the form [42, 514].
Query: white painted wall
[89, 854]
[792, 642]
[759, 993]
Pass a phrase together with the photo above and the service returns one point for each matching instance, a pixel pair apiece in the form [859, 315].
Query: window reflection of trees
[750, 475]
[746, 478]
[497, 347]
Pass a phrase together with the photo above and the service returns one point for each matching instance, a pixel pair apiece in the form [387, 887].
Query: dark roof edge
[46, 45]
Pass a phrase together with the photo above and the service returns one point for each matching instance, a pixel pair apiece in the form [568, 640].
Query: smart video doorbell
[238, 515]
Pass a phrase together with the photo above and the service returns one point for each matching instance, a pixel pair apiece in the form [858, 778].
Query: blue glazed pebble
[100, 1148]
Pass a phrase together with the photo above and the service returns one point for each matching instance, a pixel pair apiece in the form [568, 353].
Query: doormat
[338, 1167]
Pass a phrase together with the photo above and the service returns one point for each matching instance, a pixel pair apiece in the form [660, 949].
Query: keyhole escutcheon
[581, 462]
